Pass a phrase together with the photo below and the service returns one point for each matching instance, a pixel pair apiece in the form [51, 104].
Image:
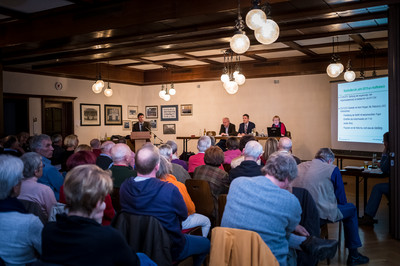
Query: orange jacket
[182, 188]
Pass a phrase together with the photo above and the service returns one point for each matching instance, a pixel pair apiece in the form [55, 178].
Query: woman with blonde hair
[271, 146]
[70, 143]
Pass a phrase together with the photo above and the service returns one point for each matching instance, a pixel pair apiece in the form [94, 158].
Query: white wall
[302, 102]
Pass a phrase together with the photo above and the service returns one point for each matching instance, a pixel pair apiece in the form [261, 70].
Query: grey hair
[36, 143]
[253, 149]
[107, 146]
[285, 144]
[173, 146]
[203, 143]
[119, 152]
[281, 165]
[11, 169]
[56, 138]
[325, 154]
[32, 162]
[165, 168]
[95, 143]
[165, 151]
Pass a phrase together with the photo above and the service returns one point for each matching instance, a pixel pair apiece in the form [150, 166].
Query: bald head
[285, 144]
[147, 160]
[121, 154]
[106, 147]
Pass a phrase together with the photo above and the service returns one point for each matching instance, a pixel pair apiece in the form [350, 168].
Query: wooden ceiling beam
[300, 48]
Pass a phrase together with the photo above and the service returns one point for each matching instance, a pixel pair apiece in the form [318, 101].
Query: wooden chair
[221, 207]
[325, 234]
[200, 193]
[211, 133]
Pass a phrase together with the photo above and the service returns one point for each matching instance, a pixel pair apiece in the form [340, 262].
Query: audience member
[285, 145]
[83, 147]
[176, 170]
[217, 178]
[85, 158]
[58, 152]
[271, 146]
[31, 190]
[194, 219]
[70, 143]
[196, 160]
[254, 202]
[324, 182]
[276, 122]
[20, 232]
[246, 127]
[242, 143]
[78, 238]
[11, 146]
[23, 138]
[104, 161]
[175, 158]
[96, 146]
[121, 169]
[51, 176]
[379, 189]
[249, 167]
[232, 145]
[146, 195]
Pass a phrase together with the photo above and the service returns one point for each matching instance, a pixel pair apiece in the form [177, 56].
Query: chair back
[145, 234]
[211, 133]
[200, 193]
[227, 167]
[35, 209]
[115, 199]
[221, 207]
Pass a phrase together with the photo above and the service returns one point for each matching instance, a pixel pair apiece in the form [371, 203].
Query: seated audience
[196, 160]
[194, 219]
[11, 146]
[70, 143]
[263, 204]
[379, 189]
[84, 158]
[242, 143]
[58, 153]
[147, 195]
[78, 238]
[23, 138]
[246, 127]
[217, 178]
[232, 145]
[51, 176]
[176, 170]
[324, 182]
[249, 167]
[20, 232]
[83, 147]
[96, 146]
[271, 146]
[31, 190]
[175, 158]
[276, 122]
[121, 169]
[285, 145]
[104, 161]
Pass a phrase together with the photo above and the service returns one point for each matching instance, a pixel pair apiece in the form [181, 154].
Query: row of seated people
[121, 156]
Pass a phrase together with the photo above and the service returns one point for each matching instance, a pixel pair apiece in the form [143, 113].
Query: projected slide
[363, 110]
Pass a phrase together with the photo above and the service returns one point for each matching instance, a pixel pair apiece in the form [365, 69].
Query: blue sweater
[257, 204]
[161, 200]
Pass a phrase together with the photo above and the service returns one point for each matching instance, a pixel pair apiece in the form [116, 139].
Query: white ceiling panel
[275, 45]
[162, 57]
[146, 67]
[242, 58]
[187, 63]
[206, 52]
[281, 54]
[123, 62]
[375, 34]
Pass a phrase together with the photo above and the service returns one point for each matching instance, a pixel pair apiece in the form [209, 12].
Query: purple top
[181, 163]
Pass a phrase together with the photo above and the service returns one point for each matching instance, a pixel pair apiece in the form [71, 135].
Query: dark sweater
[246, 168]
[103, 161]
[120, 173]
[161, 200]
[75, 240]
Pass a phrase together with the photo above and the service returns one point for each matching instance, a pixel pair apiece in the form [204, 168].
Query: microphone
[147, 129]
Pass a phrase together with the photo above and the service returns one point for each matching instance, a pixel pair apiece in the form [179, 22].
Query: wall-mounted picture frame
[90, 114]
[169, 129]
[151, 111]
[132, 111]
[153, 124]
[186, 109]
[112, 115]
[126, 125]
[169, 113]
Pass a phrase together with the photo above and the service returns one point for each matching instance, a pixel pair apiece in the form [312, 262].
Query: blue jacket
[51, 177]
[249, 128]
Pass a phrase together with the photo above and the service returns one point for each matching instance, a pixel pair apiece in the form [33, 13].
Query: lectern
[139, 138]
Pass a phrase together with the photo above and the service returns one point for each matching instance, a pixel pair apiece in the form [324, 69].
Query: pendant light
[335, 68]
[239, 43]
[349, 75]
[108, 92]
[98, 86]
[256, 17]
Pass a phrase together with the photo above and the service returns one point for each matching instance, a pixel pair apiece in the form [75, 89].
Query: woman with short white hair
[20, 232]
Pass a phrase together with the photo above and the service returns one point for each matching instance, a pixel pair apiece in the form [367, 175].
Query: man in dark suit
[246, 127]
[227, 129]
[141, 125]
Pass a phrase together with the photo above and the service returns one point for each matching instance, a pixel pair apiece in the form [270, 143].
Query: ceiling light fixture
[349, 75]
[164, 93]
[239, 43]
[335, 68]
[108, 92]
[256, 17]
[232, 76]
[98, 86]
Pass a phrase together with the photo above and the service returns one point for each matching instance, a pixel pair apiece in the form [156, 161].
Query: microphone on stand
[155, 136]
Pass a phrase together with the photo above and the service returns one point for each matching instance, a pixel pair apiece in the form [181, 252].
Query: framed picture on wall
[169, 112]
[90, 114]
[186, 109]
[112, 114]
[126, 125]
[151, 111]
[132, 112]
[169, 129]
[153, 124]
